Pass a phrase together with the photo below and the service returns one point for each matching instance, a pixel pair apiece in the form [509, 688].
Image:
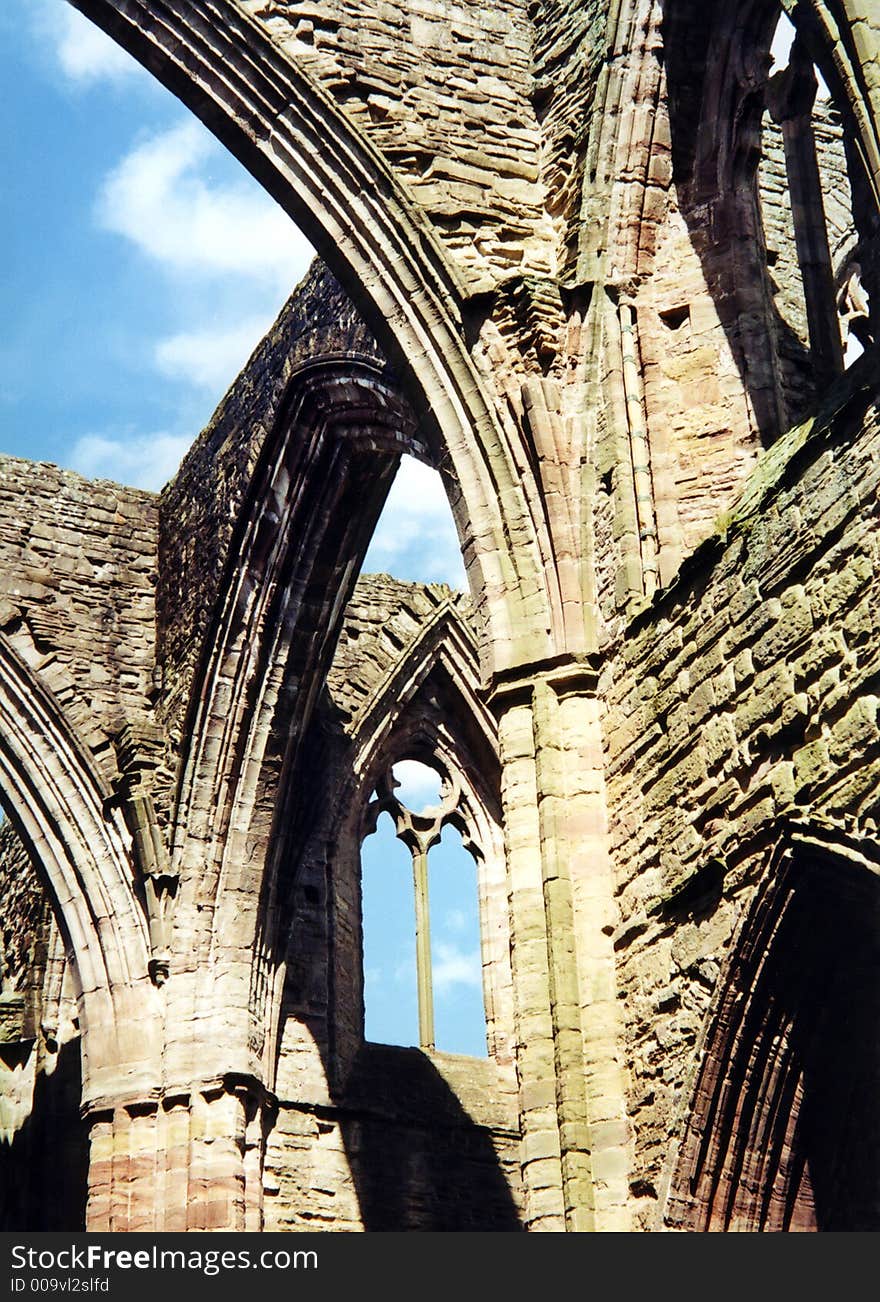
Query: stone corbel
[139, 752]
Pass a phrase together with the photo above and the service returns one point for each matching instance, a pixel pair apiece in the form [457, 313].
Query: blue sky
[142, 266]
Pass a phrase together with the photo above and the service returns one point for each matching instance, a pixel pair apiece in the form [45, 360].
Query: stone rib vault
[606, 267]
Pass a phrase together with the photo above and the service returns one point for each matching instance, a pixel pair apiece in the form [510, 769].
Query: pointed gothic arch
[298, 543]
[782, 1130]
[63, 810]
[307, 153]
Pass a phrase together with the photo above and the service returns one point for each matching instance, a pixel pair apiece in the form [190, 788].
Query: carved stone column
[790, 98]
[572, 1103]
[191, 1160]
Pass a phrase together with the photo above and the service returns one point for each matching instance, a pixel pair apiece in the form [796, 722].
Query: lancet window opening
[420, 830]
[819, 202]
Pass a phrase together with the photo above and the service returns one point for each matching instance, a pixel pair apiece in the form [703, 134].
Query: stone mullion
[423, 948]
[535, 1049]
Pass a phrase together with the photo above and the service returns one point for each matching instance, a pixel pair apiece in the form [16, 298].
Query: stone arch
[300, 539]
[300, 145]
[782, 1131]
[445, 644]
[59, 804]
[426, 705]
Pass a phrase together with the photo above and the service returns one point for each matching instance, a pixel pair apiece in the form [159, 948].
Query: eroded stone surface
[598, 265]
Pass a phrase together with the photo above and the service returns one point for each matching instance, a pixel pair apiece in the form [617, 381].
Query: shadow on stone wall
[784, 1134]
[835, 996]
[419, 1162]
[44, 1169]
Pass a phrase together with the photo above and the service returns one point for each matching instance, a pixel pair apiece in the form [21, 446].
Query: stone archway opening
[783, 1135]
[415, 536]
[813, 248]
[765, 139]
[43, 1139]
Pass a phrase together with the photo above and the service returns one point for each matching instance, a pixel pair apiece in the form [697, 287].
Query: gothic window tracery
[427, 810]
[823, 298]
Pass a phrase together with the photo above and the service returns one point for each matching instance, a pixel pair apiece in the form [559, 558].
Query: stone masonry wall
[569, 47]
[416, 1142]
[746, 695]
[78, 565]
[383, 616]
[443, 91]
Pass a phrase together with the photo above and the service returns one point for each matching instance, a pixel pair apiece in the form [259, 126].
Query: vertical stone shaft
[556, 871]
[572, 1103]
[582, 835]
[534, 1033]
[639, 449]
[792, 108]
[423, 949]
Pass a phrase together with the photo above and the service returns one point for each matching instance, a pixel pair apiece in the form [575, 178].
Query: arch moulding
[288, 132]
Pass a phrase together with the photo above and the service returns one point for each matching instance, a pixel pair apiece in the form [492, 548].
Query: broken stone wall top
[199, 507]
[78, 569]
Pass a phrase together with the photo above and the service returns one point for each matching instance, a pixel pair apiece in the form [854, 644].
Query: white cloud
[457, 920]
[143, 462]
[415, 538]
[419, 785]
[84, 53]
[162, 198]
[455, 967]
[210, 358]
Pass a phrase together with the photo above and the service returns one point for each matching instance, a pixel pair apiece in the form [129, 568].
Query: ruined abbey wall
[79, 568]
[743, 701]
[581, 262]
